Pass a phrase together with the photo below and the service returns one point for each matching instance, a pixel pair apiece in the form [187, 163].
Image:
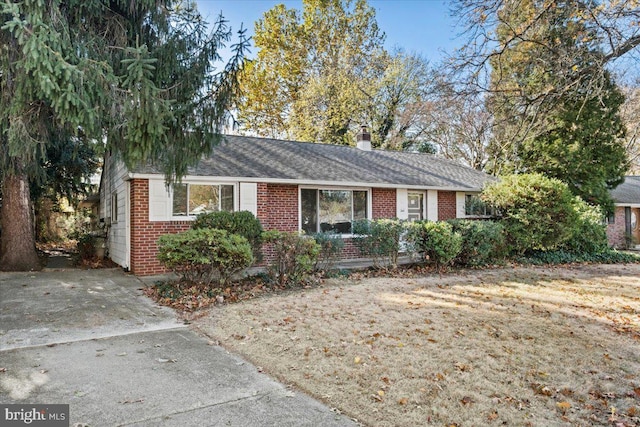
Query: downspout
[127, 215]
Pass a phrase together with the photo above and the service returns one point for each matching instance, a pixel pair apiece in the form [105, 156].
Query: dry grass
[522, 346]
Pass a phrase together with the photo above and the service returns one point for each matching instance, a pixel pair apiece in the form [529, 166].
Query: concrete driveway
[91, 339]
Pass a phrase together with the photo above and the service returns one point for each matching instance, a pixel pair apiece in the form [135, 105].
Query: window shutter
[402, 203]
[249, 197]
[460, 205]
[432, 205]
[159, 201]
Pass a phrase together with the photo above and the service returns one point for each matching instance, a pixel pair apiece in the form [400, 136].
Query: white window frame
[331, 188]
[188, 183]
[466, 196]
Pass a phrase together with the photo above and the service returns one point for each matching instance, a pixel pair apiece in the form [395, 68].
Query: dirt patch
[517, 346]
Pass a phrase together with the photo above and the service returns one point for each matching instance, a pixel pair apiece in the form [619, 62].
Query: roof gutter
[204, 179]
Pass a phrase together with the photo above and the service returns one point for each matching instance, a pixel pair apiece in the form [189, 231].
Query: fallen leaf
[403, 401]
[563, 405]
[462, 367]
[380, 393]
[566, 391]
[541, 389]
[356, 360]
[632, 411]
[466, 400]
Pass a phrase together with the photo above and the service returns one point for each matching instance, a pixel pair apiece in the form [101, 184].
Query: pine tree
[140, 75]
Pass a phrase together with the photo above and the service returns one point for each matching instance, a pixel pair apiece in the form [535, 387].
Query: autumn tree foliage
[544, 68]
[139, 75]
[322, 72]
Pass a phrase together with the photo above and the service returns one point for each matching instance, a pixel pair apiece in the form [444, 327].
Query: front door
[416, 206]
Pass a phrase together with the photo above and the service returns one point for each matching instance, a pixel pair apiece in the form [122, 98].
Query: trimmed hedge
[483, 241]
[243, 223]
[380, 240]
[204, 256]
[537, 212]
[438, 243]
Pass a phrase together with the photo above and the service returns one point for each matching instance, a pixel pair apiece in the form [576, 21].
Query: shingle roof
[627, 193]
[263, 158]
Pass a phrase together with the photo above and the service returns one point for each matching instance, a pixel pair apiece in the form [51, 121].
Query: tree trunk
[17, 242]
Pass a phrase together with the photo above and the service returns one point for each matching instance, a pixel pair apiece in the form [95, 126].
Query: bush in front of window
[331, 246]
[435, 241]
[483, 242]
[243, 223]
[294, 257]
[205, 256]
[380, 240]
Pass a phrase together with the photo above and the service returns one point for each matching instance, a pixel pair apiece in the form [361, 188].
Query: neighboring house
[289, 186]
[623, 229]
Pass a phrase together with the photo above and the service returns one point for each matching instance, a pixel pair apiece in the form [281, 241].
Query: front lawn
[534, 346]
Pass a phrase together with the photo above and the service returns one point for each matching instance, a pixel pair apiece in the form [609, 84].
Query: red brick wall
[446, 205]
[616, 231]
[145, 234]
[383, 203]
[278, 207]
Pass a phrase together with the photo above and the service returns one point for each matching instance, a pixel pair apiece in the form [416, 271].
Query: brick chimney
[363, 139]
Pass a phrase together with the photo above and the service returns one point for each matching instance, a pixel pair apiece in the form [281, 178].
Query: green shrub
[294, 257]
[537, 212]
[588, 233]
[608, 256]
[243, 223]
[86, 248]
[436, 241]
[205, 255]
[379, 239]
[331, 246]
[483, 242]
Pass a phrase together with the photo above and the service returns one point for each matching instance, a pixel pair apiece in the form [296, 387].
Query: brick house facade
[623, 228]
[269, 178]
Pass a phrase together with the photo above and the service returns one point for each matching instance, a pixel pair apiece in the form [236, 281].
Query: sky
[418, 26]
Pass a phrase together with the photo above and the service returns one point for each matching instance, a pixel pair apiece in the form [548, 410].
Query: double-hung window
[194, 199]
[474, 206]
[332, 210]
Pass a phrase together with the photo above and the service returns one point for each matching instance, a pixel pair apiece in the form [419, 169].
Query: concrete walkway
[92, 340]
